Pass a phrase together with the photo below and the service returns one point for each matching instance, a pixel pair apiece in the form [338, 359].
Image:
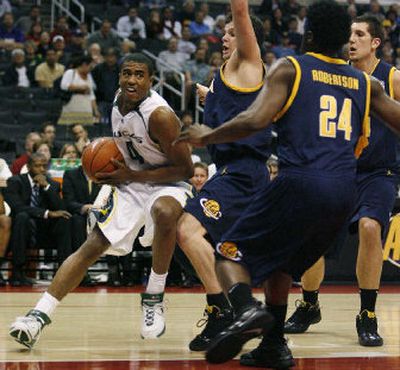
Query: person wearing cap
[11, 37]
[77, 44]
[47, 72]
[59, 46]
[18, 74]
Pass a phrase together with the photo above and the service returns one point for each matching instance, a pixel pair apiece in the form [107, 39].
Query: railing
[161, 82]
[95, 20]
[63, 7]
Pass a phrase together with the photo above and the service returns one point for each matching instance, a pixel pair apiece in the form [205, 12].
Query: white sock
[156, 283]
[47, 304]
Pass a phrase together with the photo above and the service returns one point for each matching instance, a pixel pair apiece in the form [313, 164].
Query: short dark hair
[330, 25]
[139, 58]
[45, 125]
[38, 144]
[257, 27]
[35, 157]
[80, 59]
[374, 26]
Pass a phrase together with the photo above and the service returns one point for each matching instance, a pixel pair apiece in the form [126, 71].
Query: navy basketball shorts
[289, 224]
[376, 197]
[227, 194]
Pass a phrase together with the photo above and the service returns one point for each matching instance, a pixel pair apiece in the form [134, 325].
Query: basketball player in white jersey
[146, 193]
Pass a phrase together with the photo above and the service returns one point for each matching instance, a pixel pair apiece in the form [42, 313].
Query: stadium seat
[7, 117]
[34, 119]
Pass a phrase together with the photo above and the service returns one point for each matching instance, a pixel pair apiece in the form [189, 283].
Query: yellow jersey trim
[376, 65]
[366, 125]
[238, 88]
[327, 59]
[294, 91]
[390, 81]
[112, 211]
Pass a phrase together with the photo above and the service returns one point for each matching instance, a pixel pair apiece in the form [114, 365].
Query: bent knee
[166, 212]
[370, 227]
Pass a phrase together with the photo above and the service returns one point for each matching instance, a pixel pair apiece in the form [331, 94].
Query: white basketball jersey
[132, 134]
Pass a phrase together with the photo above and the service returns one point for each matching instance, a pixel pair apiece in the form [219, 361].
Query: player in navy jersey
[241, 169]
[376, 171]
[320, 106]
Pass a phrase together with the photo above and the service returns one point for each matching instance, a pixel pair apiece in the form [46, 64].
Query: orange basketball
[97, 156]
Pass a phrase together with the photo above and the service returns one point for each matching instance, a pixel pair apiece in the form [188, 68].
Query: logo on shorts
[229, 250]
[211, 208]
[103, 213]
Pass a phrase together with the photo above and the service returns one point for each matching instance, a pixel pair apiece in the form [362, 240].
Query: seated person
[38, 214]
[200, 176]
[5, 219]
[69, 151]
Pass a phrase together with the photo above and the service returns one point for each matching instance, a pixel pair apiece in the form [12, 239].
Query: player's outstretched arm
[246, 42]
[384, 107]
[259, 115]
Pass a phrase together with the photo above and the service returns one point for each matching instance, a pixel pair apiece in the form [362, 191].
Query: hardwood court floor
[99, 329]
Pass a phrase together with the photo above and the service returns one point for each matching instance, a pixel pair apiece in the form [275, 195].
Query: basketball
[97, 156]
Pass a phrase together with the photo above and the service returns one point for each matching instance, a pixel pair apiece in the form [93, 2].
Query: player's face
[362, 44]
[228, 41]
[135, 81]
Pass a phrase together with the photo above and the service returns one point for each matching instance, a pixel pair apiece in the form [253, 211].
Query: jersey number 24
[329, 119]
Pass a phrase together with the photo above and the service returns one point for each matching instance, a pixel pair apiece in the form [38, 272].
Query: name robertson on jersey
[118, 133]
[334, 79]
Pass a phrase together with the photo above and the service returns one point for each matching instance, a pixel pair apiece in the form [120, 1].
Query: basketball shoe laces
[151, 311]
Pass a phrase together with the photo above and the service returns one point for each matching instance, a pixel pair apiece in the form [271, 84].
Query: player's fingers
[117, 163]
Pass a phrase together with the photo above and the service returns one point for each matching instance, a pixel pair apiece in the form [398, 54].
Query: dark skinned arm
[164, 128]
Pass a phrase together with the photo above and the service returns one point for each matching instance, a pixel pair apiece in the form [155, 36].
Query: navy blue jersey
[223, 102]
[324, 124]
[381, 151]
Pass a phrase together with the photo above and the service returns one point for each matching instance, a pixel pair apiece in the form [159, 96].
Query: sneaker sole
[158, 336]
[313, 322]
[252, 362]
[226, 347]
[16, 334]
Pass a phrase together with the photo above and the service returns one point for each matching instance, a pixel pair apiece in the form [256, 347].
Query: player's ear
[376, 42]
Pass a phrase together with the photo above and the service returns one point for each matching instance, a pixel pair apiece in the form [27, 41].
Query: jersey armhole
[293, 93]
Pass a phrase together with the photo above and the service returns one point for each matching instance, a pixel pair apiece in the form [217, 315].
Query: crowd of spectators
[81, 70]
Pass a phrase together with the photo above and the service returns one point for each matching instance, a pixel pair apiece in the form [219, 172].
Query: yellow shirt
[45, 75]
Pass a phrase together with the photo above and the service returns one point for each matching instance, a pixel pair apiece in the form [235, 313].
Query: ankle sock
[368, 299]
[310, 296]
[47, 304]
[240, 297]
[156, 283]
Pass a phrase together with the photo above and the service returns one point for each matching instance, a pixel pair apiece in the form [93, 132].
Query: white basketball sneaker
[27, 329]
[153, 320]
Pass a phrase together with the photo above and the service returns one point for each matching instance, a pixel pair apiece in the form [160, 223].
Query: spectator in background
[26, 22]
[277, 22]
[11, 37]
[106, 77]
[200, 176]
[49, 71]
[131, 22]
[268, 6]
[208, 20]
[301, 19]
[352, 12]
[196, 71]
[5, 7]
[152, 4]
[215, 61]
[219, 26]
[34, 33]
[294, 37]
[269, 60]
[82, 107]
[95, 54]
[290, 8]
[81, 137]
[37, 215]
[77, 44]
[198, 27]
[44, 44]
[375, 10]
[127, 47]
[59, 47]
[18, 74]
[105, 37]
[171, 26]
[79, 194]
[284, 49]
[48, 134]
[187, 13]
[30, 139]
[271, 37]
[184, 44]
[172, 56]
[5, 220]
[69, 151]
[154, 27]
[61, 28]
[32, 59]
